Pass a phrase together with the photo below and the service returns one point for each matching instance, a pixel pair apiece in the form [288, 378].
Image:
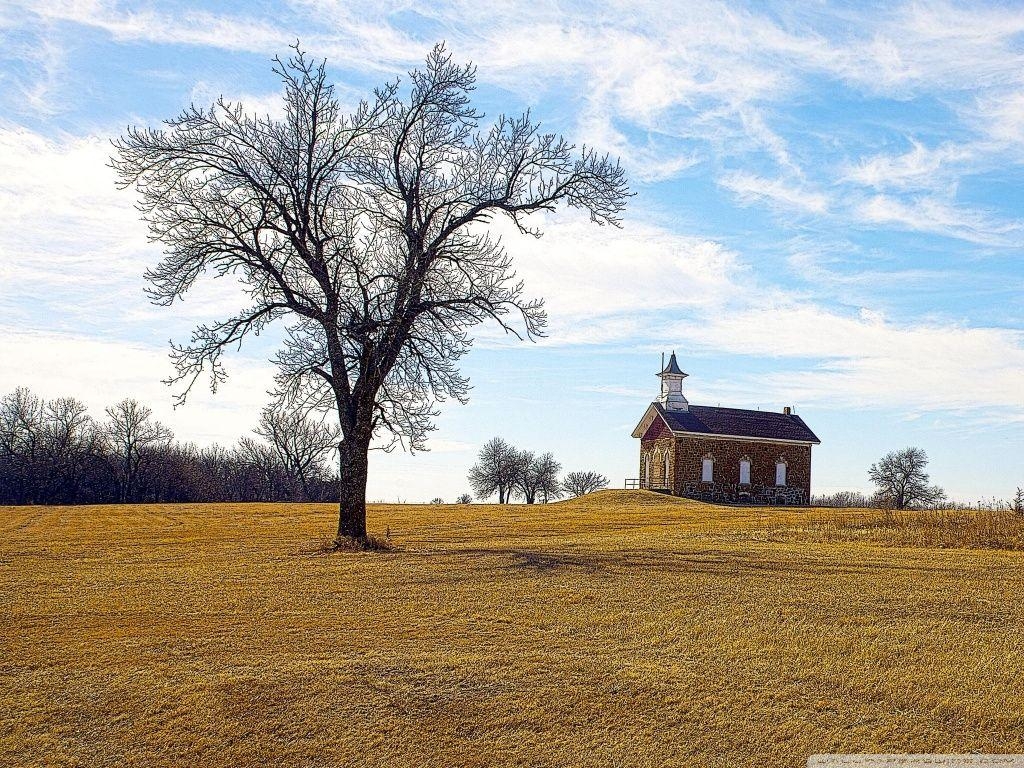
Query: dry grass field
[624, 629]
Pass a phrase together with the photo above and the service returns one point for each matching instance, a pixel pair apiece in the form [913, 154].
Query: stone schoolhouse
[722, 454]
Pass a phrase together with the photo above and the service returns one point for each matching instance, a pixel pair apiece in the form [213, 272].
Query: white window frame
[780, 473]
[707, 470]
[745, 470]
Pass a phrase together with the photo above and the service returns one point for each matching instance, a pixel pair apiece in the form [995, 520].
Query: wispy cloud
[921, 167]
[930, 214]
[194, 27]
[750, 188]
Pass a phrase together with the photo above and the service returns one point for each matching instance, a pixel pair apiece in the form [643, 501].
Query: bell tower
[672, 386]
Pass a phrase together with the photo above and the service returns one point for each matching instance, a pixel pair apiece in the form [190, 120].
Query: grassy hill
[625, 628]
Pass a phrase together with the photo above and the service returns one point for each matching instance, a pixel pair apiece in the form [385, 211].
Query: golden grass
[625, 629]
[944, 528]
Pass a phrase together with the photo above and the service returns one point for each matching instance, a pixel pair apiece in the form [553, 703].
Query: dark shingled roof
[673, 366]
[738, 422]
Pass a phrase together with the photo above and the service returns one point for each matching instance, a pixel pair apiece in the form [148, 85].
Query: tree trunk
[353, 469]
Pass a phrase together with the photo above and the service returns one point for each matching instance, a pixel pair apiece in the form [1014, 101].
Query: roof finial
[672, 367]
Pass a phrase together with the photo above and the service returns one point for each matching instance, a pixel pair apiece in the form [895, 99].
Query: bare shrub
[845, 499]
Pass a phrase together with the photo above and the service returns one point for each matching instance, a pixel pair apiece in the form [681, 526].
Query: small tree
[437, 500]
[582, 483]
[1018, 501]
[902, 481]
[496, 471]
[464, 499]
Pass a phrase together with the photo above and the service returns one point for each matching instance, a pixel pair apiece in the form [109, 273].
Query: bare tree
[71, 439]
[537, 475]
[262, 464]
[130, 432]
[495, 471]
[366, 232]
[464, 499]
[582, 483]
[53, 452]
[1018, 501]
[549, 486]
[902, 481]
[301, 444]
[21, 443]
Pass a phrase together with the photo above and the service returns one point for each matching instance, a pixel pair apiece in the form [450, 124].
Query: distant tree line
[55, 452]
[508, 472]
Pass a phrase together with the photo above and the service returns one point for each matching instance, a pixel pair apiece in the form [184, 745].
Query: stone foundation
[750, 494]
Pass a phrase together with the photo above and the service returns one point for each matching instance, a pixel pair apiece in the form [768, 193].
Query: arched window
[647, 469]
[780, 472]
[707, 469]
[745, 471]
[666, 466]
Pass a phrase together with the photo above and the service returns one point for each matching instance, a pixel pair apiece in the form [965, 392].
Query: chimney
[788, 411]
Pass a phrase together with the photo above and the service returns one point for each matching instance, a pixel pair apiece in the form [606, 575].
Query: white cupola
[672, 387]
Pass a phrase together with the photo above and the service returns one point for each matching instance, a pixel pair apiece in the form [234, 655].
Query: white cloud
[650, 162]
[930, 214]
[869, 361]
[101, 373]
[36, 90]
[642, 283]
[192, 27]
[925, 46]
[65, 228]
[601, 283]
[73, 246]
[750, 188]
[921, 167]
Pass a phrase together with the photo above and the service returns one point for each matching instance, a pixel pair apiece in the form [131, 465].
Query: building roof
[673, 366]
[737, 422]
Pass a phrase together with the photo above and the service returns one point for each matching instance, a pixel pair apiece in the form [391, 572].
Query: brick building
[722, 454]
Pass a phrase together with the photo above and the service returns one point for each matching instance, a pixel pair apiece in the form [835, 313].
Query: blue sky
[828, 214]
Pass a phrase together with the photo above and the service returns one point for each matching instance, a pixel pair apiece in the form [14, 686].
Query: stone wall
[686, 454]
